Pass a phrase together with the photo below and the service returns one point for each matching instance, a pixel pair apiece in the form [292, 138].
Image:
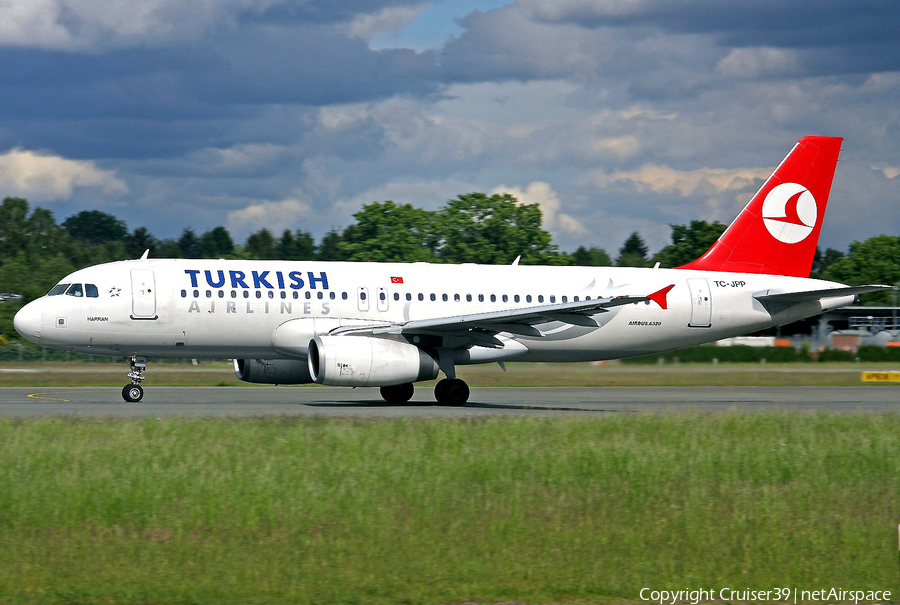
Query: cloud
[754, 63]
[250, 159]
[421, 194]
[78, 25]
[45, 177]
[274, 216]
[665, 180]
[72, 25]
[254, 109]
[506, 44]
[546, 198]
[388, 19]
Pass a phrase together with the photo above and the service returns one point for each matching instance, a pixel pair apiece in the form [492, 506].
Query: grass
[517, 374]
[425, 511]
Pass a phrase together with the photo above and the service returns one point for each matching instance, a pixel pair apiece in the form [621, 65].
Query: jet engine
[273, 371]
[359, 361]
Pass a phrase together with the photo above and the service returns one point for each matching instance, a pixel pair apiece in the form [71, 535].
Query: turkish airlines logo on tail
[789, 212]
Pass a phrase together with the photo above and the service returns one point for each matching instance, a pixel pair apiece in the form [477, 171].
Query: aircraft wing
[789, 298]
[516, 321]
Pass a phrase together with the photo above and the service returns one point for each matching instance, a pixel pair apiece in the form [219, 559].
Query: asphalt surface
[501, 401]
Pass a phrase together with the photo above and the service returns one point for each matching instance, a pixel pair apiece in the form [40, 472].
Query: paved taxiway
[325, 401]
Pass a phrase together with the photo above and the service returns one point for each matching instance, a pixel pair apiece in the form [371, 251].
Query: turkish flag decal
[396, 280]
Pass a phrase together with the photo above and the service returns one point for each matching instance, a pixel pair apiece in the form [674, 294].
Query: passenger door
[701, 303]
[143, 294]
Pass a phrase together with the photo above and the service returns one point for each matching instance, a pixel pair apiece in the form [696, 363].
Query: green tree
[168, 248]
[140, 240]
[633, 252]
[36, 235]
[689, 242]
[590, 257]
[388, 232]
[33, 276]
[299, 245]
[189, 244]
[822, 261]
[330, 246]
[261, 245]
[13, 231]
[874, 261]
[95, 227]
[477, 228]
[216, 243]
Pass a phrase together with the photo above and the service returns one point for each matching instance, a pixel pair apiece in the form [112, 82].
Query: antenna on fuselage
[516, 262]
[145, 254]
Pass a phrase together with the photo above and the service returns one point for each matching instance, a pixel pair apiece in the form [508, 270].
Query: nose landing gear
[132, 393]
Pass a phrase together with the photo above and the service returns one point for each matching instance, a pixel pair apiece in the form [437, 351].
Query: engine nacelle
[360, 361]
[273, 371]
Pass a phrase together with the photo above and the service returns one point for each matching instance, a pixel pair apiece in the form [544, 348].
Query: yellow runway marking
[41, 396]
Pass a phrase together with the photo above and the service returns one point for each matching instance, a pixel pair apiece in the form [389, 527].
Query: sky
[614, 116]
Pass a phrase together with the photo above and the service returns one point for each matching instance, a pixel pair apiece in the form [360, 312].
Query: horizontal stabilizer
[767, 296]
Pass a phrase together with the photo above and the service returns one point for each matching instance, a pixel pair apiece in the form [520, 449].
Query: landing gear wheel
[398, 393]
[451, 391]
[132, 393]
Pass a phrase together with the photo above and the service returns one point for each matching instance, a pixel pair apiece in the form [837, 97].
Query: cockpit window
[75, 290]
[57, 289]
[91, 290]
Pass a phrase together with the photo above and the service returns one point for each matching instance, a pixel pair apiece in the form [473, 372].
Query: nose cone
[28, 321]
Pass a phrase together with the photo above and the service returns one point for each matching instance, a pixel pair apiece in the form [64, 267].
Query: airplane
[390, 325]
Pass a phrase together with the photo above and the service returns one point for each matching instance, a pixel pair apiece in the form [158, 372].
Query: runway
[24, 402]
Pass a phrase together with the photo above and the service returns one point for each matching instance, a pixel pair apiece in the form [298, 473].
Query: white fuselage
[233, 309]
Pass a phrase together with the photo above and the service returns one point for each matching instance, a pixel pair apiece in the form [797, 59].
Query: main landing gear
[398, 393]
[449, 391]
[132, 393]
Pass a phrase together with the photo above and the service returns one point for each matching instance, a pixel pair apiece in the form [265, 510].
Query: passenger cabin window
[57, 289]
[75, 290]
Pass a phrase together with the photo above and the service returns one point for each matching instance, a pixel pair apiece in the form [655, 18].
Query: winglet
[659, 297]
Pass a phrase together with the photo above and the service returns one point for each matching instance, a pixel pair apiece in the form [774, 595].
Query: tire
[132, 393]
[398, 393]
[451, 391]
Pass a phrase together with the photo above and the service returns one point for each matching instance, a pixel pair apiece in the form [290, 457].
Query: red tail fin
[777, 231]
